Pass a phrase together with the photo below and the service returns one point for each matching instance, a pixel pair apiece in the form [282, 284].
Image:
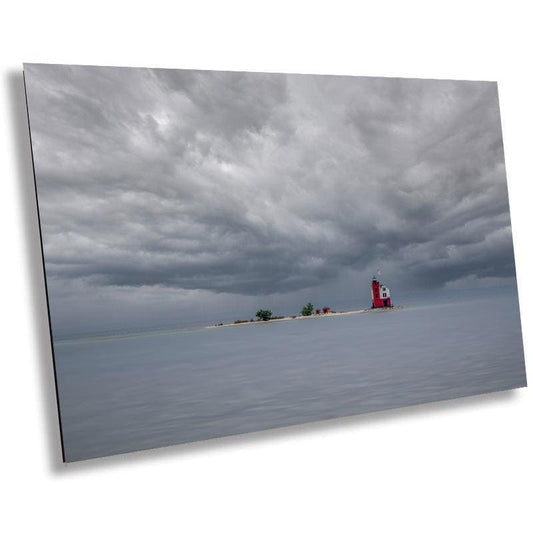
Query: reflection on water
[128, 393]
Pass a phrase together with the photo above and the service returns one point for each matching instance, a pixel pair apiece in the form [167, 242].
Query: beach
[309, 317]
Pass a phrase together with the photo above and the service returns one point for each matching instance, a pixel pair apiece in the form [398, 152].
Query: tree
[307, 310]
[264, 314]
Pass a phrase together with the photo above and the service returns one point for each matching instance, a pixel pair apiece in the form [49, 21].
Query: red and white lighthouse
[380, 294]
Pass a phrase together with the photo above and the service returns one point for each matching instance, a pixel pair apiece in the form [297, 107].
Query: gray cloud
[250, 183]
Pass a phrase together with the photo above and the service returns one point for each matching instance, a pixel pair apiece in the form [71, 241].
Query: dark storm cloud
[264, 183]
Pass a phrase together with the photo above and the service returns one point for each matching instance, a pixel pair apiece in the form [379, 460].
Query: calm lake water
[128, 393]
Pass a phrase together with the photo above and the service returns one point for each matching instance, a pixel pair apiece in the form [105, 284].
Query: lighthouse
[380, 294]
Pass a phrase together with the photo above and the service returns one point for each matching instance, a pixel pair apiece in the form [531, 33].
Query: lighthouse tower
[380, 294]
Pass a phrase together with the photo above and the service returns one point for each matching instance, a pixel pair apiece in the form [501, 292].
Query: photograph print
[229, 252]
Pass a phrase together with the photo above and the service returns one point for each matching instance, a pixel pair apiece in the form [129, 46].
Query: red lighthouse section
[380, 295]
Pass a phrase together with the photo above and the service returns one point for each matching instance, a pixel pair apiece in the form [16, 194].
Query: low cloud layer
[251, 184]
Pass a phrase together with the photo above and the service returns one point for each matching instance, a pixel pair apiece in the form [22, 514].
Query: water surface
[120, 394]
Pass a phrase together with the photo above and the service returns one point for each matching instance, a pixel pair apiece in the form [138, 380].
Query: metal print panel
[228, 252]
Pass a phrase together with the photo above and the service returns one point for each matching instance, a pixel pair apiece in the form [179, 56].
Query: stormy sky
[172, 193]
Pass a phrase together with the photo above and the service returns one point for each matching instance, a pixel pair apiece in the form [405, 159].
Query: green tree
[307, 310]
[264, 314]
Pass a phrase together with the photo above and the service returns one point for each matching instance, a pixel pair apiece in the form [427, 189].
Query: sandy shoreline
[311, 317]
[157, 333]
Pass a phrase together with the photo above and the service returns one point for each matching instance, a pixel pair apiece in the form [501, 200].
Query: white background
[463, 465]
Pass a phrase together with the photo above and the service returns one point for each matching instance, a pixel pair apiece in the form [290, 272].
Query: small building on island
[380, 294]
